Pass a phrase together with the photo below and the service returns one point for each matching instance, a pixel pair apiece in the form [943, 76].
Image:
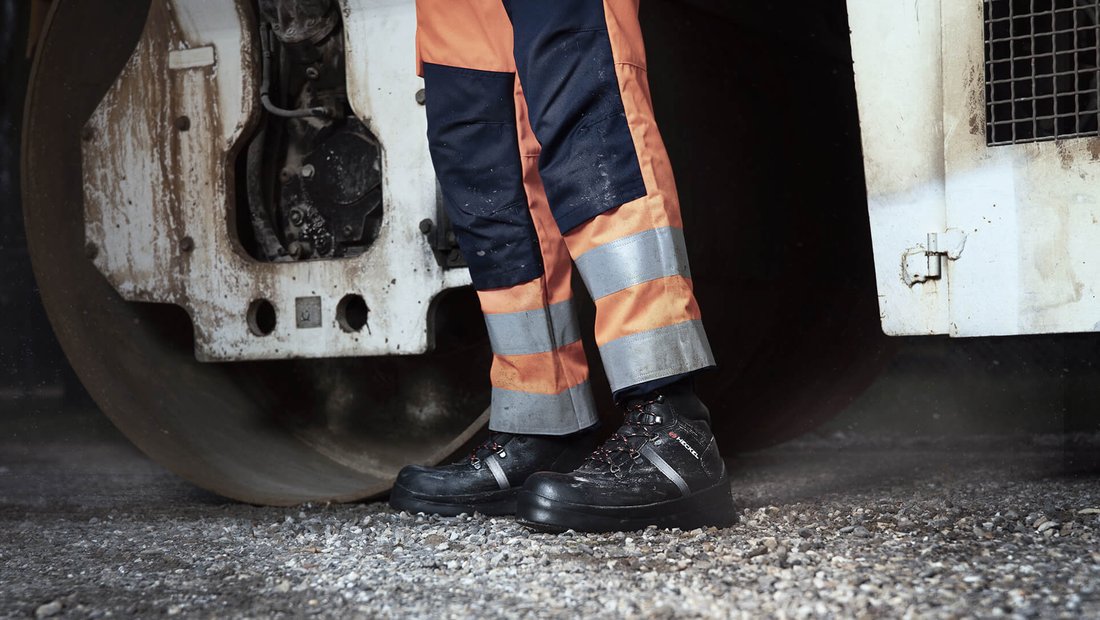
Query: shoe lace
[493, 445]
[638, 422]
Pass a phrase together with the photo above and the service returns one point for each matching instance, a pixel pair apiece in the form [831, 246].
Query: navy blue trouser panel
[563, 55]
[644, 389]
[475, 149]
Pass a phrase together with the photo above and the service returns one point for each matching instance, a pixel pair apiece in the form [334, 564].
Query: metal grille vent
[1042, 64]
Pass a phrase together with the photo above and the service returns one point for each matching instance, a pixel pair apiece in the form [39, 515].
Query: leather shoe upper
[664, 450]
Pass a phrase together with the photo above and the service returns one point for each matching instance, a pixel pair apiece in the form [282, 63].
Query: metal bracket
[924, 263]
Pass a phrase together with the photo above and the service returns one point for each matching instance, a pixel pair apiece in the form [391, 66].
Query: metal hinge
[924, 263]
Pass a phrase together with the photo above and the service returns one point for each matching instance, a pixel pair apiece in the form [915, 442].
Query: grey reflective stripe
[620, 264]
[543, 414]
[651, 455]
[534, 331]
[656, 353]
[498, 471]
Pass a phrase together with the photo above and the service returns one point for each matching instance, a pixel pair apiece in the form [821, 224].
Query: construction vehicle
[239, 239]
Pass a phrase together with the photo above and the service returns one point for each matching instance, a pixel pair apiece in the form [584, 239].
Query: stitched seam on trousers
[595, 121]
[481, 74]
[510, 205]
[627, 63]
[633, 188]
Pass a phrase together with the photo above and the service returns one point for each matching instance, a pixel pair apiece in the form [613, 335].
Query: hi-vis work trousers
[542, 134]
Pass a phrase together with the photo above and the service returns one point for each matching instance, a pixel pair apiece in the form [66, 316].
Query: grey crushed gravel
[839, 526]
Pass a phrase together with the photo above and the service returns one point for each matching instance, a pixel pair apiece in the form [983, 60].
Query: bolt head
[183, 123]
[187, 244]
[426, 226]
[421, 96]
[308, 171]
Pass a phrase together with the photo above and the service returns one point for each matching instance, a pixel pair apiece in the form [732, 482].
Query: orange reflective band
[541, 373]
[644, 307]
[519, 298]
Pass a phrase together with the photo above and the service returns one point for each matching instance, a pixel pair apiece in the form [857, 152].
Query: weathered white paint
[149, 185]
[191, 59]
[896, 49]
[1030, 213]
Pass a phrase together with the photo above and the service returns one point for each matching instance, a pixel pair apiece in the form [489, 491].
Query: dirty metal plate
[159, 188]
[1029, 211]
[898, 74]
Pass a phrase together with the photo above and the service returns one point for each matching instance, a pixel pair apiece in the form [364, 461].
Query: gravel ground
[843, 526]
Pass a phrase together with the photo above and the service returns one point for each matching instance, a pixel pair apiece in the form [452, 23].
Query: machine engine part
[313, 170]
[338, 171]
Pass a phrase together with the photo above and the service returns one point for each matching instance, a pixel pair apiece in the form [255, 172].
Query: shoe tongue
[645, 413]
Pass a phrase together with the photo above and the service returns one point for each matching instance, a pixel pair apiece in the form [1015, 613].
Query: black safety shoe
[660, 468]
[488, 480]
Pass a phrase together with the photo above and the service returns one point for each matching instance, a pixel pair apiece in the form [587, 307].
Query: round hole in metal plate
[261, 317]
[351, 313]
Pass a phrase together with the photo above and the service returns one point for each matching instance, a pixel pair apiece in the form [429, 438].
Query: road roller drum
[237, 232]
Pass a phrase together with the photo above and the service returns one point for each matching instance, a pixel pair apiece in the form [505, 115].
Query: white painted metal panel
[1027, 217]
[896, 50]
[1030, 211]
[159, 196]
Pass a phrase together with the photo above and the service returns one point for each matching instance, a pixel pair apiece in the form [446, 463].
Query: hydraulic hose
[265, 84]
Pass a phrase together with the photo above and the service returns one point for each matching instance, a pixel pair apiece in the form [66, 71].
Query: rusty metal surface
[158, 160]
[271, 432]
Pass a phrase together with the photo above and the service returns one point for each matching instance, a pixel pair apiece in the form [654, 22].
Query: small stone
[48, 610]
[756, 552]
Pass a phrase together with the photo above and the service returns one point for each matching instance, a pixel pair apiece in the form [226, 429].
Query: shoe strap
[651, 455]
[498, 472]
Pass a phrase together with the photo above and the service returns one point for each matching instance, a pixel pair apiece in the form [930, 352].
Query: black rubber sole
[709, 507]
[494, 503]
